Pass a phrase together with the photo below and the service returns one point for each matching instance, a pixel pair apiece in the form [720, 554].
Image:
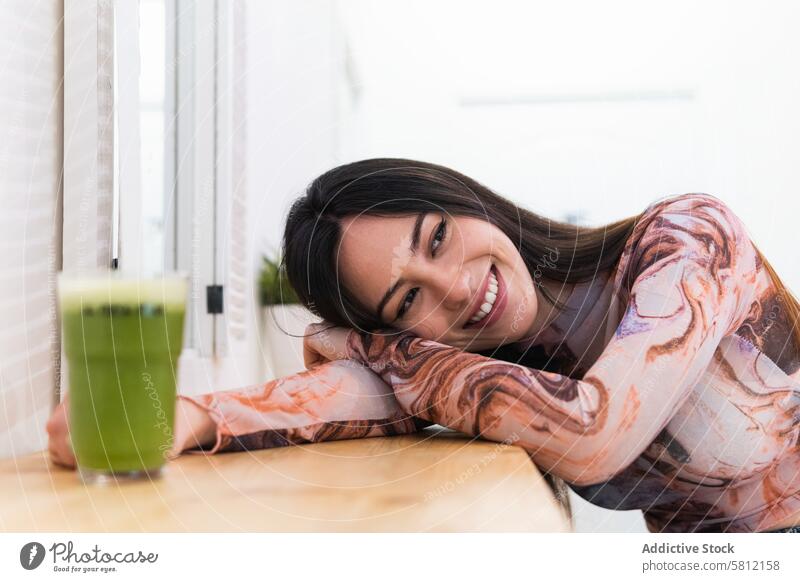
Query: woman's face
[453, 279]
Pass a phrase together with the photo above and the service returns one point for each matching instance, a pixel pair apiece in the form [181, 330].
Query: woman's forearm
[194, 426]
[336, 400]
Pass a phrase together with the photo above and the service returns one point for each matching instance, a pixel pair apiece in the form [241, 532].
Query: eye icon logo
[31, 555]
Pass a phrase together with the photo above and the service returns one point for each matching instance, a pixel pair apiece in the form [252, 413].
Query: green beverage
[122, 338]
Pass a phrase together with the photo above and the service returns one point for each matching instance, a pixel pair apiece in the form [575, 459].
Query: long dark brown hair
[394, 186]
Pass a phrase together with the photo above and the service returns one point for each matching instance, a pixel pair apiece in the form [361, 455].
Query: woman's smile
[490, 302]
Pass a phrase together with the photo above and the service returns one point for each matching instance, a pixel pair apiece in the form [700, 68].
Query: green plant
[273, 286]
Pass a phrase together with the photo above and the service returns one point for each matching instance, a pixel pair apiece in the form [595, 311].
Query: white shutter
[236, 336]
[88, 134]
[127, 143]
[214, 234]
[232, 117]
[30, 186]
[195, 204]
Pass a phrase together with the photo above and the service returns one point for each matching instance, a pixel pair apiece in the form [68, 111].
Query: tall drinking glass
[122, 338]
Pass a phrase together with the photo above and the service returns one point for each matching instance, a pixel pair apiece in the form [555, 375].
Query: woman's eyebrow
[415, 236]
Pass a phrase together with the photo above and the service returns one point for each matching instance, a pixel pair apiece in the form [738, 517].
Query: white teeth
[488, 300]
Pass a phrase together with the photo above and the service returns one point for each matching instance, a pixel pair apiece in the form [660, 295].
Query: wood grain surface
[431, 481]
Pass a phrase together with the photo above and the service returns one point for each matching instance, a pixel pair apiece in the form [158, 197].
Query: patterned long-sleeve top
[337, 400]
[683, 396]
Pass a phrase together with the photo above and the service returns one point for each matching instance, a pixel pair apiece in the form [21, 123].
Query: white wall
[30, 221]
[293, 55]
[614, 103]
[292, 128]
[572, 108]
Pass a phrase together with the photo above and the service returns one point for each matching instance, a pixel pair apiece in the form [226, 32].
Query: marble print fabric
[684, 401]
[679, 392]
[337, 400]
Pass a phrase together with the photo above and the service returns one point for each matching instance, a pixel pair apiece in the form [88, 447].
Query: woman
[652, 363]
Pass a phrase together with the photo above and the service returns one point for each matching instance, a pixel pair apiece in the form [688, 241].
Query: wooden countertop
[435, 480]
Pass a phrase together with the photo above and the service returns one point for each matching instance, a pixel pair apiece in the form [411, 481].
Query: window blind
[31, 58]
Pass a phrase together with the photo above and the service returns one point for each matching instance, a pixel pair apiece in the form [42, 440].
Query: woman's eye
[409, 298]
[438, 239]
[438, 236]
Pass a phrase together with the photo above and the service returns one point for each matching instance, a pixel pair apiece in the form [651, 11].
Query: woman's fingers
[62, 455]
[64, 460]
[324, 343]
[58, 443]
[312, 355]
[174, 452]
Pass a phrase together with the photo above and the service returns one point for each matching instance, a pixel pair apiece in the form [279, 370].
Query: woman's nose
[453, 285]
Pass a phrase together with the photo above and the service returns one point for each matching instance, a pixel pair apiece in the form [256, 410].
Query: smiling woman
[672, 322]
[423, 249]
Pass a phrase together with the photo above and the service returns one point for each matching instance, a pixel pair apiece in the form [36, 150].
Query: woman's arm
[336, 400]
[693, 266]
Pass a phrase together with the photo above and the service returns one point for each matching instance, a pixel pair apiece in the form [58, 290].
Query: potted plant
[284, 322]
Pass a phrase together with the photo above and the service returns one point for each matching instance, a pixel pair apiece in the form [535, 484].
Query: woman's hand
[193, 427]
[58, 443]
[323, 343]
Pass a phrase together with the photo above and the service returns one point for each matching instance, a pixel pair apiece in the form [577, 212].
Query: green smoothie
[122, 339]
